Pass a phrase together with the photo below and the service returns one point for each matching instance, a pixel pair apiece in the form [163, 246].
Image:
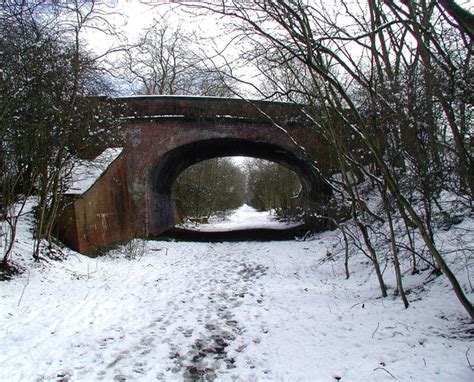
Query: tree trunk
[396, 262]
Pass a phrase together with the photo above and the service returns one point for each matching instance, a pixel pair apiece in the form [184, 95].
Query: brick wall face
[149, 142]
[101, 216]
[122, 203]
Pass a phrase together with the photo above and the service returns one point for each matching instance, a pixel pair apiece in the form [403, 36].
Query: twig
[468, 273]
[24, 288]
[329, 307]
[358, 303]
[76, 256]
[39, 257]
[468, 360]
[375, 331]
[381, 368]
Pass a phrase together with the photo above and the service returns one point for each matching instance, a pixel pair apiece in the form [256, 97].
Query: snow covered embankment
[247, 311]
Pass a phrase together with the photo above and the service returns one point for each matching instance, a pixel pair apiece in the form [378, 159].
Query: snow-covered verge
[274, 311]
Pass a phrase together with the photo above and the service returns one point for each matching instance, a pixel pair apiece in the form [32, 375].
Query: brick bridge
[163, 135]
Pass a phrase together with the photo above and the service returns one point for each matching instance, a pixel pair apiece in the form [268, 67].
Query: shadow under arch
[161, 209]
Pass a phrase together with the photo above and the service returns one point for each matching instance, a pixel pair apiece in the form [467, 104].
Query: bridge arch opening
[210, 188]
[162, 211]
[239, 193]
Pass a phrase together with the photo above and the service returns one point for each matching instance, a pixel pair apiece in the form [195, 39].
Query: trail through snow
[275, 311]
[244, 217]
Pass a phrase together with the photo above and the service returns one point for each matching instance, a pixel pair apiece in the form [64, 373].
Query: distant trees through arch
[218, 185]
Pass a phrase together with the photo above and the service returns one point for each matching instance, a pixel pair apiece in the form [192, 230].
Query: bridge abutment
[165, 135]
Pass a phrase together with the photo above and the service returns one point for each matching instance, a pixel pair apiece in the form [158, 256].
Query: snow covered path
[244, 217]
[276, 311]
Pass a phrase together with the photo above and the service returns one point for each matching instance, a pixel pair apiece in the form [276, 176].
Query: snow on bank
[274, 311]
[86, 172]
[244, 217]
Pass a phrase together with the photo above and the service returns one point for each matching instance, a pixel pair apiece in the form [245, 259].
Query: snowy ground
[274, 311]
[245, 217]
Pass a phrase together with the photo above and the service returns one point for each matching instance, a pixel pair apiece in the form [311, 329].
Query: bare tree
[381, 80]
[50, 110]
[209, 187]
[271, 186]
[162, 61]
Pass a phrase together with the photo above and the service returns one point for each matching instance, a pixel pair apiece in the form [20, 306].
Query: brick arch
[163, 135]
[163, 173]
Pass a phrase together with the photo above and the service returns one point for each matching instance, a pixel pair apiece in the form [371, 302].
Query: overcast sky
[133, 17]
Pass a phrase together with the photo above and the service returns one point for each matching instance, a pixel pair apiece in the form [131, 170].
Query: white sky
[133, 17]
